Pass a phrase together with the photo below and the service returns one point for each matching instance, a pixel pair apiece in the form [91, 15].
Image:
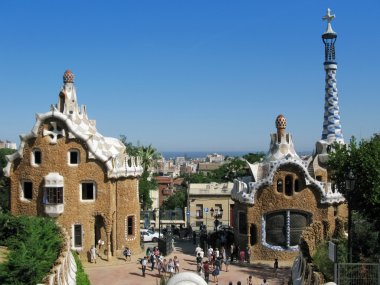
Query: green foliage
[82, 277]
[363, 159]
[322, 261]
[146, 183]
[254, 157]
[177, 200]
[34, 245]
[3, 153]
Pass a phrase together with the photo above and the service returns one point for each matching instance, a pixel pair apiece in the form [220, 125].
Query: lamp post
[350, 187]
[217, 214]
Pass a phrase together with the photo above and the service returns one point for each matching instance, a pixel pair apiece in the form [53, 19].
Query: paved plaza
[119, 272]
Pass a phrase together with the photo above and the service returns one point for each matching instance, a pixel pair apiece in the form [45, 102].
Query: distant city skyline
[185, 76]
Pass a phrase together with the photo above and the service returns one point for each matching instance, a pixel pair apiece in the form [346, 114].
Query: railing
[54, 210]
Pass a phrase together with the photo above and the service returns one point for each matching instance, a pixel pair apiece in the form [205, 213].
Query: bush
[34, 244]
[82, 277]
[322, 261]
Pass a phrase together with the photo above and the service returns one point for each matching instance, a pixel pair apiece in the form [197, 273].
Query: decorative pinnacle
[68, 77]
[328, 17]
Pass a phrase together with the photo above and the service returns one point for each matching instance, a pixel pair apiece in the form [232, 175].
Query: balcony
[54, 210]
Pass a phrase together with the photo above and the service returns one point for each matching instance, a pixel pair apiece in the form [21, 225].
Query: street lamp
[217, 214]
[350, 187]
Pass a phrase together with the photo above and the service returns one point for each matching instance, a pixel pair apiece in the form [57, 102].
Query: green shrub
[82, 277]
[34, 244]
[322, 261]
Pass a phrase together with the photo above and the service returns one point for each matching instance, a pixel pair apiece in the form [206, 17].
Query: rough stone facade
[65, 169]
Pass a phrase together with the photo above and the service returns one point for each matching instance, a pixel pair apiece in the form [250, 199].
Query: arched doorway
[100, 232]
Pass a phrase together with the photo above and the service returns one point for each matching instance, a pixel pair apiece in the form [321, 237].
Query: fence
[358, 274]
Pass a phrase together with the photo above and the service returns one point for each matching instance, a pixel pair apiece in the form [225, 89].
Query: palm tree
[149, 156]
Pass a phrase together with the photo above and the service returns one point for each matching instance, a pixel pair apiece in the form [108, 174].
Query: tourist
[248, 254]
[216, 271]
[264, 282]
[144, 261]
[226, 263]
[176, 264]
[170, 268]
[242, 256]
[197, 249]
[249, 280]
[232, 252]
[275, 267]
[199, 263]
[230, 283]
[194, 237]
[152, 260]
[164, 267]
[127, 253]
[93, 254]
[206, 270]
[209, 253]
[159, 265]
[100, 244]
[238, 283]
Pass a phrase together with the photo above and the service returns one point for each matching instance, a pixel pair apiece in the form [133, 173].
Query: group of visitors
[164, 267]
[240, 254]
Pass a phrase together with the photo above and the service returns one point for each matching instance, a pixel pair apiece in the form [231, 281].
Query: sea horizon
[203, 154]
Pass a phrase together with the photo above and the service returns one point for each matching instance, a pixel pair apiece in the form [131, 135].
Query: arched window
[296, 185]
[288, 185]
[279, 185]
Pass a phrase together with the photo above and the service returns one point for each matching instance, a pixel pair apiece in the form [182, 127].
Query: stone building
[286, 193]
[65, 169]
[204, 198]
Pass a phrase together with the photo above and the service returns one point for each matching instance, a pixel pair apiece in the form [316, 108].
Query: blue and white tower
[332, 129]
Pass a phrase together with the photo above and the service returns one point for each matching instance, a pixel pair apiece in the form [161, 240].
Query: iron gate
[358, 274]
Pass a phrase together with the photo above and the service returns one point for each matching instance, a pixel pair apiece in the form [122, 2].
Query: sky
[191, 75]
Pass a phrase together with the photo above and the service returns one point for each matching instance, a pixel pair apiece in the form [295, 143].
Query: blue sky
[191, 75]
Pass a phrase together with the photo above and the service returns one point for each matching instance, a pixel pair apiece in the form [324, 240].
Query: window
[54, 195]
[36, 157]
[88, 191]
[27, 190]
[319, 178]
[199, 211]
[284, 228]
[296, 185]
[288, 185]
[242, 223]
[130, 225]
[77, 235]
[73, 157]
[279, 185]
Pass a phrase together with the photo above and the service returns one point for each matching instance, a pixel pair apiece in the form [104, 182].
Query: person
[159, 265]
[152, 260]
[176, 264]
[206, 270]
[147, 253]
[275, 267]
[226, 263]
[127, 253]
[209, 253]
[232, 252]
[170, 267]
[248, 254]
[199, 262]
[230, 283]
[144, 261]
[216, 271]
[164, 267]
[100, 244]
[194, 237]
[238, 283]
[264, 282]
[242, 256]
[249, 280]
[93, 254]
[197, 249]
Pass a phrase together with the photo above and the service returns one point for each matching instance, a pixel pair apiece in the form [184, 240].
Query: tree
[177, 200]
[149, 156]
[145, 185]
[363, 160]
[254, 157]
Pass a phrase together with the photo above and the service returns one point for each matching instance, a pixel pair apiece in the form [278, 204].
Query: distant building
[206, 167]
[204, 196]
[67, 170]
[215, 158]
[8, 144]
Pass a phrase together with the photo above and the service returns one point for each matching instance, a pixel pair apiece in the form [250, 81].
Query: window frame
[23, 196]
[94, 194]
[287, 226]
[199, 211]
[69, 158]
[131, 225]
[52, 198]
[75, 244]
[33, 157]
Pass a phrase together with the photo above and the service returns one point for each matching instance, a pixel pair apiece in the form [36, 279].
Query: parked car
[148, 235]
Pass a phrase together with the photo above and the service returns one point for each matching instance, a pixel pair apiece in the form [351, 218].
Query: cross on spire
[328, 17]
